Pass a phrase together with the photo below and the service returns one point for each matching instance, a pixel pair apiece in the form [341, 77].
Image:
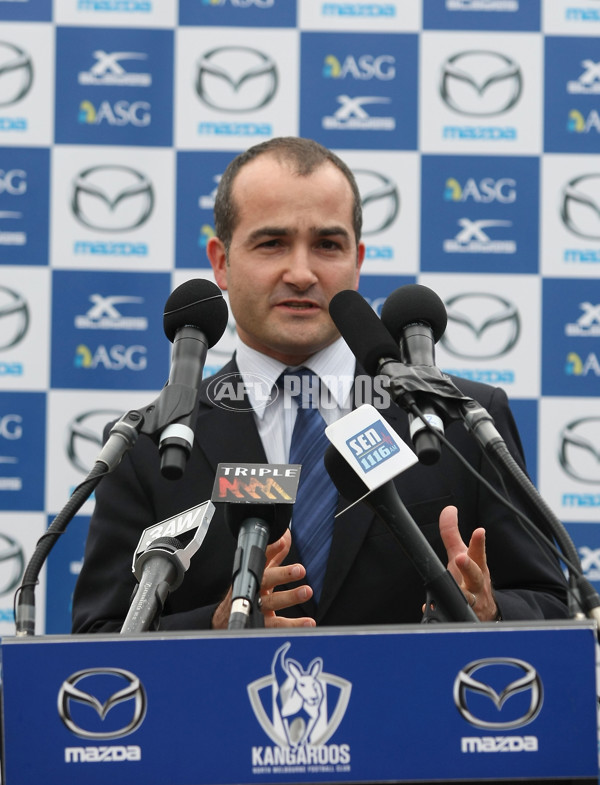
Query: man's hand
[468, 566]
[273, 601]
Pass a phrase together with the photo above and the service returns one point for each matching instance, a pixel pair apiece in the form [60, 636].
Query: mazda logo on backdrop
[480, 83]
[12, 564]
[236, 79]
[16, 73]
[87, 703]
[580, 206]
[84, 437]
[112, 198]
[481, 326]
[498, 693]
[380, 200]
[579, 449]
[14, 317]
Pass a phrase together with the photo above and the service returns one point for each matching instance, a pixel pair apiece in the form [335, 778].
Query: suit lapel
[225, 430]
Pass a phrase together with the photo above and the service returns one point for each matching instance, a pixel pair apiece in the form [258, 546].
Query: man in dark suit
[288, 222]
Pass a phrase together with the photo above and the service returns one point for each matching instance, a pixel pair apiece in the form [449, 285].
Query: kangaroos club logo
[299, 709]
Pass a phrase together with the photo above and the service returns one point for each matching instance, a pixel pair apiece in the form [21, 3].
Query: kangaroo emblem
[301, 697]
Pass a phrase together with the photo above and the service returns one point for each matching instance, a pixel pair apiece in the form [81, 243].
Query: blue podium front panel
[385, 704]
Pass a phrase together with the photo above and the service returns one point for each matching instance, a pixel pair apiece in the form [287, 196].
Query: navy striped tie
[316, 502]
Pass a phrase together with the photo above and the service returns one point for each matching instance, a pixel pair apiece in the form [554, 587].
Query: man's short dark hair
[305, 155]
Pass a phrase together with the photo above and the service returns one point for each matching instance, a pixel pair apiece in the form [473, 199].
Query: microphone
[255, 526]
[363, 331]
[416, 317]
[374, 347]
[445, 601]
[159, 571]
[160, 563]
[194, 320]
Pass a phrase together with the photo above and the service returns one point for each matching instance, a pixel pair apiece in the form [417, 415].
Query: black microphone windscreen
[362, 330]
[348, 483]
[276, 516]
[411, 304]
[197, 303]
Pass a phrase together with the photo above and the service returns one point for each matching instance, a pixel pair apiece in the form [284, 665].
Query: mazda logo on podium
[102, 703]
[498, 693]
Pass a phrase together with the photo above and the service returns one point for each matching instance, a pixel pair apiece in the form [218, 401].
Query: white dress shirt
[335, 366]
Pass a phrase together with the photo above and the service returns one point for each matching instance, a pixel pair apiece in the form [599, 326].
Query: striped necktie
[316, 502]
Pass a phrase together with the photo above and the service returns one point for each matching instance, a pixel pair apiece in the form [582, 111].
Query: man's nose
[300, 270]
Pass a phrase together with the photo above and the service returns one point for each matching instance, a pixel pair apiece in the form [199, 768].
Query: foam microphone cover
[196, 303]
[414, 304]
[362, 330]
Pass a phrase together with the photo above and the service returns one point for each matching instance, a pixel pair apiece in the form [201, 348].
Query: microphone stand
[407, 382]
[174, 402]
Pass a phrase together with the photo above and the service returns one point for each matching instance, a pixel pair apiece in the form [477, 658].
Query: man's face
[292, 249]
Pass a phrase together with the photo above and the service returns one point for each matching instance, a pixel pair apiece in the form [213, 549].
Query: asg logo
[480, 83]
[579, 449]
[364, 67]
[352, 115]
[113, 358]
[12, 564]
[579, 366]
[474, 237]
[236, 79]
[13, 182]
[580, 206]
[102, 703]
[581, 124]
[109, 70]
[588, 82]
[105, 314]
[486, 191]
[14, 317]
[16, 73]
[112, 198]
[380, 200]
[121, 113]
[298, 707]
[204, 235]
[498, 693]
[481, 326]
[84, 436]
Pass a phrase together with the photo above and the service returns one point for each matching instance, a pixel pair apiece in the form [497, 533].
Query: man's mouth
[299, 306]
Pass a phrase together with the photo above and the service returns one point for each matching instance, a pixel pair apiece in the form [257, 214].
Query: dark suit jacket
[369, 580]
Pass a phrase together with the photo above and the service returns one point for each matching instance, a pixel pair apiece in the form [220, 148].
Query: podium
[383, 704]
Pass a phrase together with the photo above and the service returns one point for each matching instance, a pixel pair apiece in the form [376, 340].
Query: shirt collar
[335, 365]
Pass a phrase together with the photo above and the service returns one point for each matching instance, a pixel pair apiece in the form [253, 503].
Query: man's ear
[215, 250]
[360, 257]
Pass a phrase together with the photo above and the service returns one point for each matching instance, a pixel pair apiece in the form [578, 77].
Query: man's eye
[329, 244]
